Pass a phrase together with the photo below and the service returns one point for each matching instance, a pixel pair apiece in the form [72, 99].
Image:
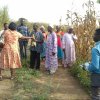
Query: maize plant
[84, 27]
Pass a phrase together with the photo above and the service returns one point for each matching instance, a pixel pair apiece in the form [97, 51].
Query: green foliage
[17, 98]
[4, 16]
[30, 24]
[81, 75]
[40, 97]
[98, 1]
[26, 87]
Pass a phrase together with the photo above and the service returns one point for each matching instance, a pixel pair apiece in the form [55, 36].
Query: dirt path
[62, 86]
[6, 86]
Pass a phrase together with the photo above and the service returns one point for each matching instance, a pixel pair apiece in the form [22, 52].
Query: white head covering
[51, 25]
[42, 27]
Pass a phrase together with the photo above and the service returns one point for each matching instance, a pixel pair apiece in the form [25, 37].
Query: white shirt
[1, 36]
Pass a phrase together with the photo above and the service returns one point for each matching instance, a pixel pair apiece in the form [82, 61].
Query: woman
[10, 57]
[51, 62]
[59, 46]
[69, 48]
[42, 29]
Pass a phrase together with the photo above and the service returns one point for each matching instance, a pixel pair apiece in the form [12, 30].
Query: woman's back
[11, 39]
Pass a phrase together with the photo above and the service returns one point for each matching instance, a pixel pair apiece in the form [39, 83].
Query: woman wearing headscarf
[59, 43]
[42, 29]
[68, 46]
[51, 62]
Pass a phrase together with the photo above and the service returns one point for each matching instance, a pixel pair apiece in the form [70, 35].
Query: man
[51, 62]
[36, 48]
[23, 43]
[94, 67]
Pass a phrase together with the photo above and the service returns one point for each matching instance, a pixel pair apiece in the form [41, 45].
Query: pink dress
[10, 57]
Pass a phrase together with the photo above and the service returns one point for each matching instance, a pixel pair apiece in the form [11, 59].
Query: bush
[81, 75]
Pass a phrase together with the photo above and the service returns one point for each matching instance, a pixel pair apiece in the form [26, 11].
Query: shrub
[81, 75]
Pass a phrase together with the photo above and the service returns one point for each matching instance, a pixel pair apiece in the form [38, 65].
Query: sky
[47, 11]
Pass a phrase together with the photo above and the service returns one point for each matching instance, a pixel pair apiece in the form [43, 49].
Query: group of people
[50, 46]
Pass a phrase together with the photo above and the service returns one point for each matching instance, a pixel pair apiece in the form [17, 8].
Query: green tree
[4, 16]
[98, 1]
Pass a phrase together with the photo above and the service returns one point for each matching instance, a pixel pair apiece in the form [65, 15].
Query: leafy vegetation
[81, 75]
[4, 16]
[26, 88]
[84, 27]
[98, 1]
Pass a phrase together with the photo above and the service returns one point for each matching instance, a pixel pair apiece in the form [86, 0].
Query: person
[42, 29]
[23, 43]
[59, 43]
[94, 67]
[69, 48]
[51, 62]
[1, 34]
[62, 32]
[10, 53]
[36, 48]
[5, 27]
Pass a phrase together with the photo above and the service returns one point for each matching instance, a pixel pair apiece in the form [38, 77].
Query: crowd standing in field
[51, 46]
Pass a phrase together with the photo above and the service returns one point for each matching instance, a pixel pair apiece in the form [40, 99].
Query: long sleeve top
[94, 66]
[39, 44]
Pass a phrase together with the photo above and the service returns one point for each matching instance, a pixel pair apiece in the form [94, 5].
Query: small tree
[98, 1]
[4, 16]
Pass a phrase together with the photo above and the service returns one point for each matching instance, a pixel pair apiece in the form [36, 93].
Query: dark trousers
[34, 60]
[95, 91]
[95, 86]
[23, 49]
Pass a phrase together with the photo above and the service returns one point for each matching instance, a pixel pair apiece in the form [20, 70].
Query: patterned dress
[10, 57]
[69, 46]
[51, 62]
